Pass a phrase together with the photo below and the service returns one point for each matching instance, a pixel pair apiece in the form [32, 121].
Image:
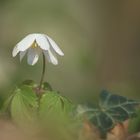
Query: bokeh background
[100, 39]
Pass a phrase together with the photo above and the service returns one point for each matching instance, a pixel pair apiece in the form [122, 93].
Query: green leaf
[30, 83]
[47, 86]
[134, 123]
[112, 109]
[6, 106]
[52, 104]
[119, 107]
[24, 105]
[55, 113]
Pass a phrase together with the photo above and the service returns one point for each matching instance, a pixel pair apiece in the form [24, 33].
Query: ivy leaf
[119, 107]
[24, 105]
[112, 109]
[52, 104]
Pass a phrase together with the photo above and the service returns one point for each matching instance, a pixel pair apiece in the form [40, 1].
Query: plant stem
[43, 72]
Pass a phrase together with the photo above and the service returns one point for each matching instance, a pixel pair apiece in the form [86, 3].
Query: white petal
[51, 57]
[15, 51]
[55, 46]
[22, 54]
[32, 56]
[42, 42]
[47, 56]
[26, 42]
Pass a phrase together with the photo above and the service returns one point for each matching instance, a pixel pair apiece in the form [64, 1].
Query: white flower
[34, 45]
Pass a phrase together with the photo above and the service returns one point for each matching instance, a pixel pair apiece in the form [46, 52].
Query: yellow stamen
[34, 45]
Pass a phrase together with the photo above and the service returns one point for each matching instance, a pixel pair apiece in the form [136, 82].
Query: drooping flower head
[34, 45]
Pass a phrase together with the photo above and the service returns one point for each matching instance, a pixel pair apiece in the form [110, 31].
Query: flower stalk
[43, 73]
[39, 89]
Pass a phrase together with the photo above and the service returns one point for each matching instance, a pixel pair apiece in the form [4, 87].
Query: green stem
[43, 73]
[39, 92]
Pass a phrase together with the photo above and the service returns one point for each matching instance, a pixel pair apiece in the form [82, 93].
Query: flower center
[34, 45]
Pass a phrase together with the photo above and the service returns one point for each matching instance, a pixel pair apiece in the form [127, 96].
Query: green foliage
[134, 123]
[53, 104]
[112, 109]
[30, 83]
[47, 86]
[55, 114]
[30, 105]
[24, 105]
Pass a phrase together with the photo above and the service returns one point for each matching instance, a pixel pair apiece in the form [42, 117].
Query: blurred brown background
[100, 39]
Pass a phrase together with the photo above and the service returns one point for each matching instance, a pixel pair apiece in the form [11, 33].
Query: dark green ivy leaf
[112, 109]
[119, 107]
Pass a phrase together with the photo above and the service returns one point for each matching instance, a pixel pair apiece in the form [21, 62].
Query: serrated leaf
[52, 104]
[55, 113]
[47, 86]
[112, 109]
[29, 83]
[24, 105]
